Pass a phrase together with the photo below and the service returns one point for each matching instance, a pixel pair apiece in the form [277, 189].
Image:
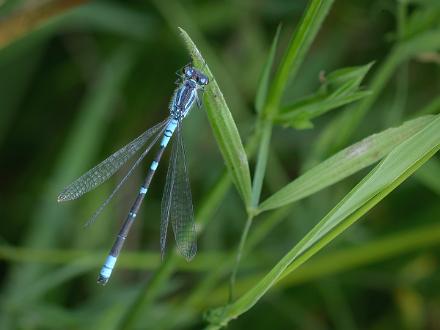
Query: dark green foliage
[300, 136]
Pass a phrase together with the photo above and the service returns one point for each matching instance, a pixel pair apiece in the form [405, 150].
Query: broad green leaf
[344, 163]
[263, 85]
[223, 125]
[406, 158]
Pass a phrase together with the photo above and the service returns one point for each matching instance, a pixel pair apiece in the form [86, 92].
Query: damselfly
[177, 201]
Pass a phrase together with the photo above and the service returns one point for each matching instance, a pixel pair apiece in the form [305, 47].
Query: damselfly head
[196, 75]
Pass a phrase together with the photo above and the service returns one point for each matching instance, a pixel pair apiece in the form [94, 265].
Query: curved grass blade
[104, 170]
[344, 163]
[223, 125]
[403, 161]
[298, 47]
[263, 86]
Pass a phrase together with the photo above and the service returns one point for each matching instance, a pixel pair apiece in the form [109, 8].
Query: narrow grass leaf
[307, 109]
[406, 158]
[352, 75]
[343, 260]
[223, 125]
[299, 45]
[263, 85]
[340, 87]
[339, 132]
[344, 163]
[296, 51]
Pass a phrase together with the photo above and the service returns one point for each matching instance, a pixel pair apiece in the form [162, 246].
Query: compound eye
[188, 71]
[203, 80]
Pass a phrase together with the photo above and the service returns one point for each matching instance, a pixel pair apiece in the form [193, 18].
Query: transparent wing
[166, 199]
[177, 202]
[121, 183]
[104, 170]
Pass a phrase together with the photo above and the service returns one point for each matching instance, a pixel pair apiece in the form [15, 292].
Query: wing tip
[188, 254]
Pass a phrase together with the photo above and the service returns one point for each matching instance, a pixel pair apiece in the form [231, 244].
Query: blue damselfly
[177, 201]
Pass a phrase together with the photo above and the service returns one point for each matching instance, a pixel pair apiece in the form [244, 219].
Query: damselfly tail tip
[102, 280]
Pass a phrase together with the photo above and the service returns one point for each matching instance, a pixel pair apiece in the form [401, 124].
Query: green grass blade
[293, 57]
[344, 163]
[223, 125]
[351, 75]
[340, 131]
[339, 88]
[384, 178]
[41, 285]
[263, 86]
[343, 260]
[260, 168]
[305, 110]
[296, 51]
[87, 133]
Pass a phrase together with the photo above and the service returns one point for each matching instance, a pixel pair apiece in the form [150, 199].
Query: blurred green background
[80, 79]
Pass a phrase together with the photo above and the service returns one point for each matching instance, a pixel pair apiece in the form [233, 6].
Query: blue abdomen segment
[169, 130]
[107, 269]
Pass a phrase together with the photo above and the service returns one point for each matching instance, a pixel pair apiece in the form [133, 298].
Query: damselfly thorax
[187, 93]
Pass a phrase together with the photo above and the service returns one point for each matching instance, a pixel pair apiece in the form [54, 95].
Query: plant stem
[263, 153]
[401, 93]
[243, 238]
[294, 56]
